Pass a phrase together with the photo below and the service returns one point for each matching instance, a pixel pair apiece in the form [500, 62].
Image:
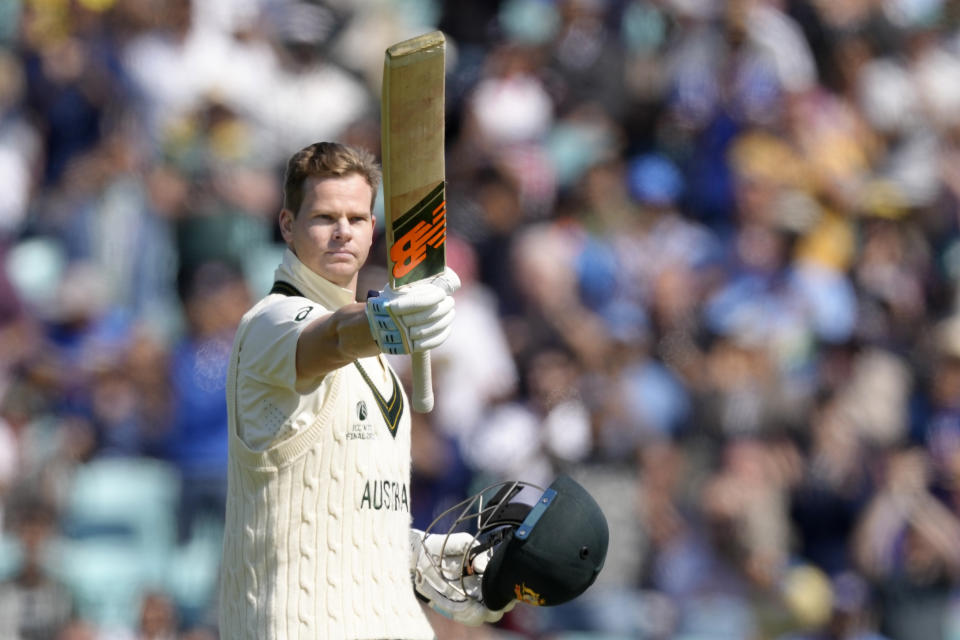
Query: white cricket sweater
[316, 544]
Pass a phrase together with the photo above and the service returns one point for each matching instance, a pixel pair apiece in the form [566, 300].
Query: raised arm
[333, 341]
[413, 318]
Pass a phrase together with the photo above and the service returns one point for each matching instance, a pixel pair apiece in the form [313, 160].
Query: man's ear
[286, 220]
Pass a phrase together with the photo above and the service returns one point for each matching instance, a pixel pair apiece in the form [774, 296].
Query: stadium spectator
[710, 254]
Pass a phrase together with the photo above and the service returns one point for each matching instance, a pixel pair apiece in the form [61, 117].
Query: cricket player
[318, 542]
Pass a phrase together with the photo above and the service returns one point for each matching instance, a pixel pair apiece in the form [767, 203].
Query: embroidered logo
[303, 313]
[361, 411]
[391, 409]
[388, 495]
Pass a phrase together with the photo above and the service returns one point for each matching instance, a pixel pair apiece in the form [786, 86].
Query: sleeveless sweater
[316, 543]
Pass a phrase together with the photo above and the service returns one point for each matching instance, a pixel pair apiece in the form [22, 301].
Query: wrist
[387, 333]
[352, 330]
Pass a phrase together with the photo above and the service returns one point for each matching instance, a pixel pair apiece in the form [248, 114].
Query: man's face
[333, 231]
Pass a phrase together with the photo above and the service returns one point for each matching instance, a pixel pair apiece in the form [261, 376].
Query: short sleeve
[268, 352]
[270, 403]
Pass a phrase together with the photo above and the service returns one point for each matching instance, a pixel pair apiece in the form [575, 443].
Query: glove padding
[414, 317]
[459, 600]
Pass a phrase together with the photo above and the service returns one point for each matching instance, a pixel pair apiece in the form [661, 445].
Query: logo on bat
[419, 232]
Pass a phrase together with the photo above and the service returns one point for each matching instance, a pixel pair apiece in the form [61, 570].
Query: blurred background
[710, 254]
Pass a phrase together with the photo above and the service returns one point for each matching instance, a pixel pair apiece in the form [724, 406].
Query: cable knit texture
[316, 541]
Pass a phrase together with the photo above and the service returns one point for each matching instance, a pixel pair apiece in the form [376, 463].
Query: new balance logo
[423, 228]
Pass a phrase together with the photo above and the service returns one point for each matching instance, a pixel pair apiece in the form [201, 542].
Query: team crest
[524, 593]
[361, 411]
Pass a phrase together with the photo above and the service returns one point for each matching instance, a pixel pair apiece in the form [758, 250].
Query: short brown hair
[326, 160]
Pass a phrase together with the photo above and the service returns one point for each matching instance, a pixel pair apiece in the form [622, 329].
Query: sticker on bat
[419, 237]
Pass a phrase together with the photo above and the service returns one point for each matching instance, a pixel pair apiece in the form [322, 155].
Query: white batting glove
[442, 586]
[414, 317]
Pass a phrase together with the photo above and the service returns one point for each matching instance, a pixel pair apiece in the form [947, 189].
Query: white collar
[311, 284]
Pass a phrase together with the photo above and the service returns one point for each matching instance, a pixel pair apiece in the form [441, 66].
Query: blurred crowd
[710, 253]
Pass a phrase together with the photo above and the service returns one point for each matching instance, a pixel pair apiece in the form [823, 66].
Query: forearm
[333, 341]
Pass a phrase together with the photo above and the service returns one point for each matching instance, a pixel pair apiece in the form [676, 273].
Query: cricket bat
[411, 129]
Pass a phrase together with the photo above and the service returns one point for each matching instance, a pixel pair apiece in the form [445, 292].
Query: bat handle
[422, 382]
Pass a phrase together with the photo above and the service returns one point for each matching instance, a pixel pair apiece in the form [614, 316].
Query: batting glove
[437, 565]
[414, 317]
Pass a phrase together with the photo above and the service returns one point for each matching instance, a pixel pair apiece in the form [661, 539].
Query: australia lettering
[385, 495]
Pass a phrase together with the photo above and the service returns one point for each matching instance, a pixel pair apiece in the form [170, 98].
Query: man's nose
[342, 228]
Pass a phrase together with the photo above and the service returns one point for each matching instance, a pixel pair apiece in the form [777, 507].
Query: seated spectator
[33, 604]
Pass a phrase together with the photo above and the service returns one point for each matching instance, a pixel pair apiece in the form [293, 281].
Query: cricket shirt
[318, 505]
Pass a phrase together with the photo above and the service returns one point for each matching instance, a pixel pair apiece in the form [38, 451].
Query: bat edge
[424, 44]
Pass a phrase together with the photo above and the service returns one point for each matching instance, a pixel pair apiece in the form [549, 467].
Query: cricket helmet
[539, 546]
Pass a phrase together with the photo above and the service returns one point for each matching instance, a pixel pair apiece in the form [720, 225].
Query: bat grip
[422, 382]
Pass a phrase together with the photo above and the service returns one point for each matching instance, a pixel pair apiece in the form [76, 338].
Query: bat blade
[412, 145]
